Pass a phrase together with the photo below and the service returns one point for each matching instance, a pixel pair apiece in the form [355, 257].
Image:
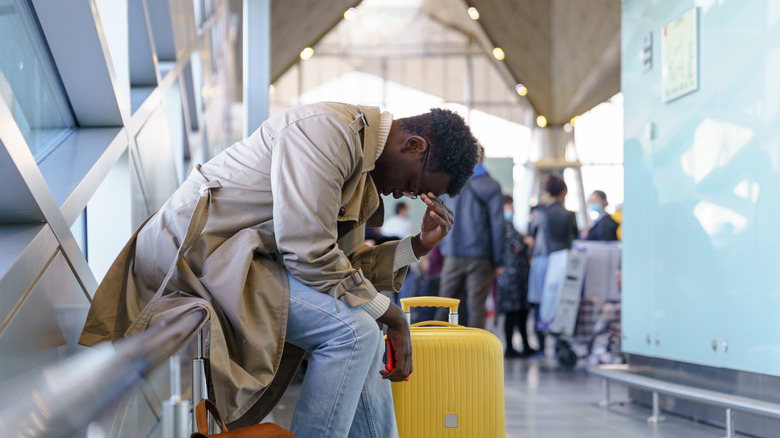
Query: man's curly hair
[454, 148]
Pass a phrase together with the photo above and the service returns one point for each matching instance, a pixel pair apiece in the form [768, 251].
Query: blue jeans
[343, 393]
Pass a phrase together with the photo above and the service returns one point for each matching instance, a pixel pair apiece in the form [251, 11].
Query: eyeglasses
[416, 193]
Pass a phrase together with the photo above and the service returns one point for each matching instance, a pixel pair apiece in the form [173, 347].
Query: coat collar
[371, 118]
[364, 203]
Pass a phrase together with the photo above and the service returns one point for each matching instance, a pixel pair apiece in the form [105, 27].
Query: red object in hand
[391, 358]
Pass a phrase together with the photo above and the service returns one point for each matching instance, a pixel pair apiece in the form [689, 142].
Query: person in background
[513, 284]
[399, 225]
[618, 218]
[428, 283]
[604, 227]
[474, 249]
[552, 228]
[375, 237]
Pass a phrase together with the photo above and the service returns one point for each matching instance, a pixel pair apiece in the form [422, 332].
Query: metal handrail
[61, 400]
[621, 373]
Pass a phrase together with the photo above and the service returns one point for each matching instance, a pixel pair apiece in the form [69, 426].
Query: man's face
[400, 170]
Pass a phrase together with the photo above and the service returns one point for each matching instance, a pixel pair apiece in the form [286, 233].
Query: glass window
[29, 83]
[197, 6]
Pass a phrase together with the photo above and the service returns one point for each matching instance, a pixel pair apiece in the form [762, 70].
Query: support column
[550, 145]
[257, 62]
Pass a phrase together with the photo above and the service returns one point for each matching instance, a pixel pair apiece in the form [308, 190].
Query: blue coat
[478, 230]
[605, 228]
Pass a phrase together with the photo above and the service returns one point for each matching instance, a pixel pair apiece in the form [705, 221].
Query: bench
[622, 374]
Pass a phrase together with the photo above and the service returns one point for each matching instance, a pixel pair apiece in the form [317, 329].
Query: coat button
[342, 210]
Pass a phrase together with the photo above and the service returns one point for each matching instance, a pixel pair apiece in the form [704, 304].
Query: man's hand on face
[436, 223]
[401, 341]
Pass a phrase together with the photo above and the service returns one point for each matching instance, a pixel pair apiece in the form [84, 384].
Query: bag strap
[202, 416]
[195, 227]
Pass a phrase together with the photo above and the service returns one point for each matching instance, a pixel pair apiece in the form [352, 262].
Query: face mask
[508, 215]
[598, 208]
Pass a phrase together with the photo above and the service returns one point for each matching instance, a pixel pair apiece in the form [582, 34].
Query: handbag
[264, 430]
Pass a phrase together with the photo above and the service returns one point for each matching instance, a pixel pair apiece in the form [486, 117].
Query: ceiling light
[473, 13]
[349, 14]
[498, 53]
[307, 53]
[521, 89]
[271, 89]
[541, 121]
[573, 120]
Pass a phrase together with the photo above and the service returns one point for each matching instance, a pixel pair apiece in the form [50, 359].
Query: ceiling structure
[297, 24]
[566, 52]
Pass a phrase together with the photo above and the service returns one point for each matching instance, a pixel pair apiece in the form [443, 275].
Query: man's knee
[361, 330]
[366, 329]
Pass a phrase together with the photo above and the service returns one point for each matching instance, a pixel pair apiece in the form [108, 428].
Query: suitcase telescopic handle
[452, 303]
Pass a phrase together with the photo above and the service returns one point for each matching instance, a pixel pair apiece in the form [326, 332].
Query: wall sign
[680, 56]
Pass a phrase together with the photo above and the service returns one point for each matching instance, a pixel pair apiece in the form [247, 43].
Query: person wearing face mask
[604, 227]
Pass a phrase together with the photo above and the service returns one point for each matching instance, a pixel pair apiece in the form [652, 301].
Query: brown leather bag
[264, 430]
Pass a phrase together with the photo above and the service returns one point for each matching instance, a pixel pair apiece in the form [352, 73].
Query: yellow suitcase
[457, 386]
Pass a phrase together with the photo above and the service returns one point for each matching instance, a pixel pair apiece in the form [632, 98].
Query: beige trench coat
[295, 195]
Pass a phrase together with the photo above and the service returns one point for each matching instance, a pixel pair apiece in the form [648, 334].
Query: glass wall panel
[197, 6]
[175, 112]
[108, 218]
[216, 47]
[29, 83]
[155, 160]
[703, 188]
[47, 325]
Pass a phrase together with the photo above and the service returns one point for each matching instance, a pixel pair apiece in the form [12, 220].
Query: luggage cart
[560, 302]
[597, 331]
[575, 318]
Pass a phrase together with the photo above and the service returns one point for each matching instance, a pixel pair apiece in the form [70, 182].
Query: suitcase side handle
[452, 303]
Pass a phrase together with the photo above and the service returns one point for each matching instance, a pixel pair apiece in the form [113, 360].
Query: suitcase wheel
[567, 358]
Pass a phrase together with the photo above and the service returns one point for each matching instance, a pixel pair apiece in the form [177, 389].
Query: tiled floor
[545, 401]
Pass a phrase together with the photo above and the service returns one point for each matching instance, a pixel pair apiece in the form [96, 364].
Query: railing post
[656, 417]
[730, 423]
[175, 411]
[605, 402]
[198, 376]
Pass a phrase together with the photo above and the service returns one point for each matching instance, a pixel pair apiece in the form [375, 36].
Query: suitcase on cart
[457, 386]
